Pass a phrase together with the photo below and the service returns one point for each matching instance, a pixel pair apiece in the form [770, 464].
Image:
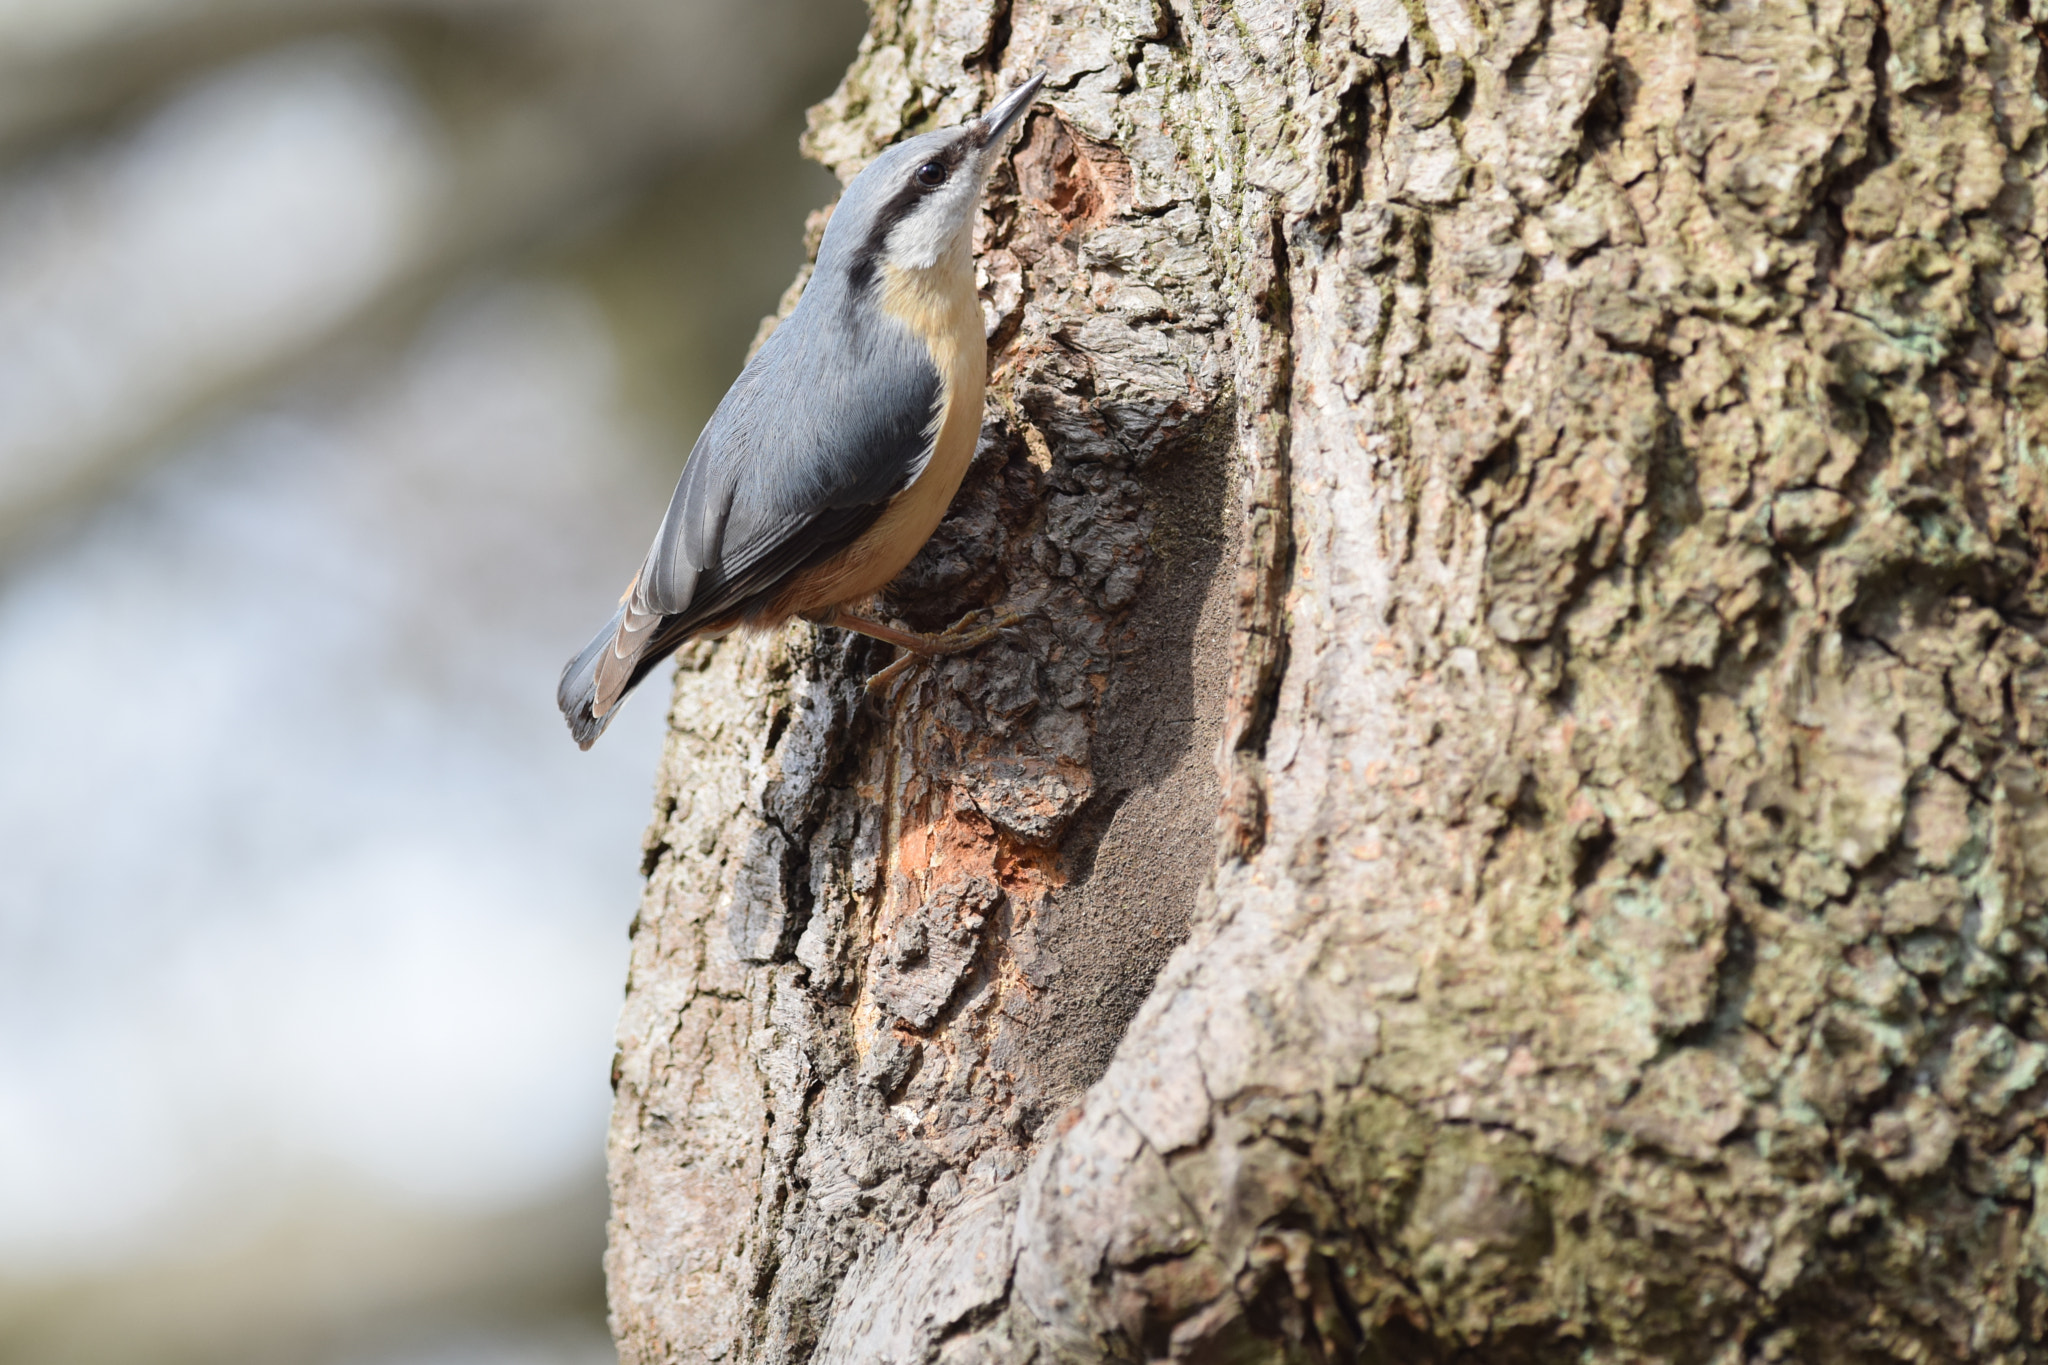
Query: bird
[832, 458]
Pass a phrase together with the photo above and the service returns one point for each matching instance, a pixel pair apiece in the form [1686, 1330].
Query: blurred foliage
[347, 1276]
[207, 205]
[663, 128]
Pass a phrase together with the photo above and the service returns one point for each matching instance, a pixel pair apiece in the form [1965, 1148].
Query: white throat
[940, 232]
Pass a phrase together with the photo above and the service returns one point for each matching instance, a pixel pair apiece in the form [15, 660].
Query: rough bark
[1520, 829]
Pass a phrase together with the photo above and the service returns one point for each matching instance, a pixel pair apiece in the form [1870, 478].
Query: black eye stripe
[861, 268]
[944, 161]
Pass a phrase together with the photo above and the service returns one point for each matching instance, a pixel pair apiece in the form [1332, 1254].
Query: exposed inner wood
[1518, 829]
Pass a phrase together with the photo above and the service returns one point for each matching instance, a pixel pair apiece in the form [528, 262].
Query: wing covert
[834, 416]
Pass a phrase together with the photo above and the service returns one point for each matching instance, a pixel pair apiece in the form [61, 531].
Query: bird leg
[969, 632]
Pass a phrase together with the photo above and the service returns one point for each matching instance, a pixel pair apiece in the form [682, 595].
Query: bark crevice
[1519, 827]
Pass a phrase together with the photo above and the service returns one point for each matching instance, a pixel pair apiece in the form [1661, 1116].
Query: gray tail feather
[577, 692]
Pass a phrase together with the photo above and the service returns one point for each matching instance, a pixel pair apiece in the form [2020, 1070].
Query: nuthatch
[834, 455]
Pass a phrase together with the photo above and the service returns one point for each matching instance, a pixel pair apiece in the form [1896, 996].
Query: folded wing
[830, 420]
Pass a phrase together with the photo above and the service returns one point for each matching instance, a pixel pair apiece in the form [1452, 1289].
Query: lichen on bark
[1533, 518]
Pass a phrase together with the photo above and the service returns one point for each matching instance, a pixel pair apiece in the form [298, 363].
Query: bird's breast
[941, 309]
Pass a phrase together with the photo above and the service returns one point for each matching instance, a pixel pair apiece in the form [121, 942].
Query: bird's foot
[971, 631]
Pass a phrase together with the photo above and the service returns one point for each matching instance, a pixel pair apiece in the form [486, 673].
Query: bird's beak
[1008, 110]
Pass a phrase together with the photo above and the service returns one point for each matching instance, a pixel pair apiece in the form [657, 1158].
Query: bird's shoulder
[834, 414]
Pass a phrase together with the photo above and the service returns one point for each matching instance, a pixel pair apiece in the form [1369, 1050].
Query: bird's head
[913, 207]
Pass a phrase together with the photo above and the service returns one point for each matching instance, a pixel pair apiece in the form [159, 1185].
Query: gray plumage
[829, 420]
[836, 416]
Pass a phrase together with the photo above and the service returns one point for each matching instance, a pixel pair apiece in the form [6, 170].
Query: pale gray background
[347, 351]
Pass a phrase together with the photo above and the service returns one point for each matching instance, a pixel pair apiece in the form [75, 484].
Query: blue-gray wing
[832, 418]
[829, 421]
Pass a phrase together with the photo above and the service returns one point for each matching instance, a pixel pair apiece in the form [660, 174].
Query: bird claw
[884, 681]
[971, 631]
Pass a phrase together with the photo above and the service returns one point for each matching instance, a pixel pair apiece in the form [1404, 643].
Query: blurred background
[348, 349]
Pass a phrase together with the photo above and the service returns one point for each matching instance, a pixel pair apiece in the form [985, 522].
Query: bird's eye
[931, 175]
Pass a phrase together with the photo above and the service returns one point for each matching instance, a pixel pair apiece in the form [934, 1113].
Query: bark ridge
[1520, 829]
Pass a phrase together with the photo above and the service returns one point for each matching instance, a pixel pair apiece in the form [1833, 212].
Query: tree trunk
[1518, 829]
